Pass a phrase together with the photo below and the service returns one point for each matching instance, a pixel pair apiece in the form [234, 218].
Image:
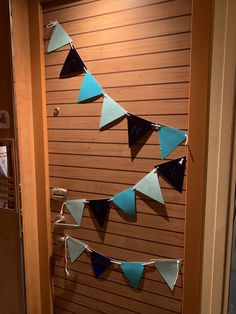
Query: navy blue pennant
[100, 210]
[100, 263]
[173, 171]
[73, 65]
[137, 128]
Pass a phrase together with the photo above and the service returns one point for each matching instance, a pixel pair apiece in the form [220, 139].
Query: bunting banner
[75, 248]
[169, 270]
[111, 111]
[59, 37]
[137, 128]
[100, 263]
[133, 271]
[73, 65]
[126, 200]
[76, 209]
[100, 210]
[169, 139]
[172, 171]
[149, 186]
[90, 90]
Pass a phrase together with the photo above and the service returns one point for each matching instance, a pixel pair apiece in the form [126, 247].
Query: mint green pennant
[133, 272]
[58, 39]
[111, 111]
[169, 269]
[76, 209]
[89, 89]
[149, 185]
[75, 248]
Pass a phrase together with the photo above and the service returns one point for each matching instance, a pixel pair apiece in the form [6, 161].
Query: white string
[65, 257]
[62, 208]
[156, 125]
[71, 45]
[186, 142]
[52, 24]
[181, 161]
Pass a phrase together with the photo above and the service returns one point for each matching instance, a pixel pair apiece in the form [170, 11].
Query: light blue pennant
[76, 209]
[169, 139]
[111, 111]
[169, 269]
[126, 202]
[133, 272]
[90, 88]
[58, 39]
[75, 248]
[149, 185]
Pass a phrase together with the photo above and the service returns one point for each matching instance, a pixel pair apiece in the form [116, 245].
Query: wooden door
[11, 258]
[139, 51]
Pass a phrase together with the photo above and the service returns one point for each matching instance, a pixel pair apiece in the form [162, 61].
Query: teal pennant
[169, 139]
[90, 89]
[126, 202]
[133, 272]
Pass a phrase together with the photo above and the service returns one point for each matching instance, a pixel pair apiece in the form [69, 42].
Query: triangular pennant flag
[76, 209]
[126, 201]
[173, 172]
[111, 111]
[73, 65]
[89, 89]
[137, 128]
[100, 263]
[149, 185]
[169, 139]
[169, 269]
[75, 248]
[133, 271]
[100, 209]
[58, 39]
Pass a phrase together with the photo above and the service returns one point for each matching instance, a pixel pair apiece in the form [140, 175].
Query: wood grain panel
[139, 51]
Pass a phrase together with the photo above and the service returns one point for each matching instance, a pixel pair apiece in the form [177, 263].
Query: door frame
[30, 98]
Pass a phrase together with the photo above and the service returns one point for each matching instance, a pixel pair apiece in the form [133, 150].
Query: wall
[140, 54]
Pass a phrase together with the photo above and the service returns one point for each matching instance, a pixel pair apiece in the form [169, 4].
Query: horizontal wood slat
[145, 77]
[164, 44]
[103, 175]
[134, 32]
[111, 8]
[140, 108]
[106, 149]
[139, 51]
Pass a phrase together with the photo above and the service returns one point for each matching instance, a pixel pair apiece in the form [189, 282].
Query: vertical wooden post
[197, 156]
[30, 107]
